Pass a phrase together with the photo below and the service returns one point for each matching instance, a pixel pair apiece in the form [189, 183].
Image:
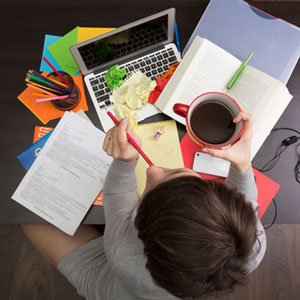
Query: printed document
[67, 175]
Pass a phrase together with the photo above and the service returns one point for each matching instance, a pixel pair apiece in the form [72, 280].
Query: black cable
[297, 171]
[284, 128]
[274, 160]
[275, 215]
[297, 167]
[282, 147]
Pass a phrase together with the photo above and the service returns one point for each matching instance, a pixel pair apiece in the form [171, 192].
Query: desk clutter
[65, 166]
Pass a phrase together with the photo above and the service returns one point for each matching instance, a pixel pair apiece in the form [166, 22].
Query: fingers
[108, 144]
[247, 118]
[115, 134]
[242, 115]
[121, 134]
[106, 140]
[135, 137]
[215, 152]
[110, 148]
[124, 128]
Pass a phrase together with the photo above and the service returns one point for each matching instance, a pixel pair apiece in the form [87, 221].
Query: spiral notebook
[163, 152]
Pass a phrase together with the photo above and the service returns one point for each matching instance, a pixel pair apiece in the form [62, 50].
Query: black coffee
[212, 122]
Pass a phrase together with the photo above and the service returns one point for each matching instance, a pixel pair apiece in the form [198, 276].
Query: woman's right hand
[239, 154]
[118, 146]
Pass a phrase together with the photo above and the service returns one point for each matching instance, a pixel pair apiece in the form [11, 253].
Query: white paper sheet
[68, 174]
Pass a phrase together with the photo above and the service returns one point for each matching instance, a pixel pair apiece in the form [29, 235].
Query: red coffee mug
[186, 112]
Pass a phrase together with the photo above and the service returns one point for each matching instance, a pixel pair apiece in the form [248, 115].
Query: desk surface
[23, 27]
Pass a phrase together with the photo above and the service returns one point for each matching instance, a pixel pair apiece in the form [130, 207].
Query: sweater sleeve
[120, 190]
[245, 183]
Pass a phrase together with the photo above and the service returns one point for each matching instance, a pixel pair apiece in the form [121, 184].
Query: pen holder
[74, 97]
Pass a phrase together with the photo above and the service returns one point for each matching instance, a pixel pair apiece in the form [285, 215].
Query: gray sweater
[113, 266]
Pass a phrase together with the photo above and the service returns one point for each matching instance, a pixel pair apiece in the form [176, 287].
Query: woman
[184, 238]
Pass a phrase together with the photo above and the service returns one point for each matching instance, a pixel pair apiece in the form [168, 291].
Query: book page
[254, 90]
[67, 175]
[264, 97]
[205, 68]
[263, 126]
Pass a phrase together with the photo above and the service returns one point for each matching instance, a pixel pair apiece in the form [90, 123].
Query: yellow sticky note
[85, 33]
[164, 152]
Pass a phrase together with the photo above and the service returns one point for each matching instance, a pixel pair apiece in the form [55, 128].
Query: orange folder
[45, 111]
[40, 131]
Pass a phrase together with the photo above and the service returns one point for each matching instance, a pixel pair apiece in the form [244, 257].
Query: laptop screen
[125, 42]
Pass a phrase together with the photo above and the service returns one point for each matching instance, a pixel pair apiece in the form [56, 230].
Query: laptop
[146, 45]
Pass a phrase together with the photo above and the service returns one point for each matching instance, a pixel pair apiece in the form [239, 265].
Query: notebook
[163, 151]
[146, 45]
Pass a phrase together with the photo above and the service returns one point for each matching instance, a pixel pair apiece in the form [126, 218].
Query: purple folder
[239, 28]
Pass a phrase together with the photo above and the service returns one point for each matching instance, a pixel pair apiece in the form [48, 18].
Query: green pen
[239, 71]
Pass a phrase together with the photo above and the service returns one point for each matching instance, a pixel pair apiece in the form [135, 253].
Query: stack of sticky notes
[56, 49]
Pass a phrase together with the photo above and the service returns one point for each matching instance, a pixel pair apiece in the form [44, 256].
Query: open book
[208, 68]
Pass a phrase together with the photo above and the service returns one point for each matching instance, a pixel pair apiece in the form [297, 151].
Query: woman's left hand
[117, 145]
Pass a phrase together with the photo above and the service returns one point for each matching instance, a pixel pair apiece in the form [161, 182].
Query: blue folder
[28, 156]
[239, 28]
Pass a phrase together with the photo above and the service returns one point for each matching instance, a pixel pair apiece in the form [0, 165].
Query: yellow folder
[85, 33]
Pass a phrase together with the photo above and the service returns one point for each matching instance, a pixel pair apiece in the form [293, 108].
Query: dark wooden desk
[23, 27]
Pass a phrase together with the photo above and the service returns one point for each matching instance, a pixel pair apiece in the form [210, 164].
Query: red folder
[267, 188]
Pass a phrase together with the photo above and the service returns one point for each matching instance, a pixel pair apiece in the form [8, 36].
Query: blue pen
[177, 37]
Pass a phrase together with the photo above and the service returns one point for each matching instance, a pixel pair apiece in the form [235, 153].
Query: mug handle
[181, 109]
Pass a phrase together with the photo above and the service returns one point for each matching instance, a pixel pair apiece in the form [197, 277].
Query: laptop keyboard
[156, 63]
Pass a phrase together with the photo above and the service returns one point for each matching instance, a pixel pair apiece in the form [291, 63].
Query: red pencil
[131, 140]
[61, 77]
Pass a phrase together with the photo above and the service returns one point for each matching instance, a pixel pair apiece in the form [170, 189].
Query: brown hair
[198, 236]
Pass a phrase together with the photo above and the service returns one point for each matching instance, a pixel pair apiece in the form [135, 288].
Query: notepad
[163, 152]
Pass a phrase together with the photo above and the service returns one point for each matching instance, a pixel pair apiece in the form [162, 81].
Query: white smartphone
[204, 163]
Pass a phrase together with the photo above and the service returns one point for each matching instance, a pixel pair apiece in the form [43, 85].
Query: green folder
[61, 53]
